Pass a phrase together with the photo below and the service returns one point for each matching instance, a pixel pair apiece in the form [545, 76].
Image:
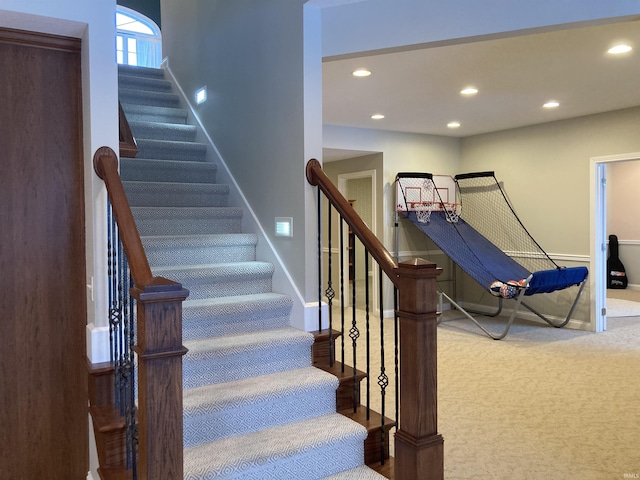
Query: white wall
[380, 24]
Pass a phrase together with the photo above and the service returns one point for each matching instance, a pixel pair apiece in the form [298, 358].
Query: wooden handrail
[419, 451]
[317, 177]
[105, 164]
[128, 146]
[159, 341]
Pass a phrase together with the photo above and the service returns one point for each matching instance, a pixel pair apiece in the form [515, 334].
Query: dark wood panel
[43, 398]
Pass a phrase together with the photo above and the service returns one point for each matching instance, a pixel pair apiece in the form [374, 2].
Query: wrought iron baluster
[383, 380]
[122, 336]
[396, 353]
[354, 334]
[342, 293]
[319, 201]
[330, 292]
[368, 331]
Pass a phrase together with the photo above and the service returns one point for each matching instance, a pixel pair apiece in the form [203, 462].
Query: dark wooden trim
[128, 146]
[419, 451]
[40, 40]
[160, 351]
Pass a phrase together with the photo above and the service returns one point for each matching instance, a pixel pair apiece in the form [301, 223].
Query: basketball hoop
[423, 211]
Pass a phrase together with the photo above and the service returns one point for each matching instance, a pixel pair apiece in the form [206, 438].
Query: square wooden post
[419, 448]
[160, 351]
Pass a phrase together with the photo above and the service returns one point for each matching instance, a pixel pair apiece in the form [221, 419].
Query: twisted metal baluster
[383, 380]
[342, 292]
[368, 332]
[330, 292]
[354, 334]
[319, 200]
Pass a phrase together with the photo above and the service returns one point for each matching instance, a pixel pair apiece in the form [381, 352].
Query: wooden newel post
[160, 351]
[419, 449]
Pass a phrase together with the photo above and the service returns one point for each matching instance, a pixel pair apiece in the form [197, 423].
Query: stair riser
[178, 255]
[224, 288]
[312, 464]
[176, 195]
[163, 131]
[141, 71]
[192, 222]
[187, 151]
[197, 322]
[264, 413]
[136, 82]
[146, 113]
[230, 366]
[167, 171]
[154, 99]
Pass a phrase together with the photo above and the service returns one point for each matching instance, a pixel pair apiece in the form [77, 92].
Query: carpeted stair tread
[233, 315]
[187, 220]
[165, 250]
[166, 194]
[171, 150]
[141, 71]
[217, 411]
[234, 357]
[142, 82]
[299, 450]
[147, 97]
[148, 113]
[148, 170]
[359, 473]
[163, 130]
[220, 279]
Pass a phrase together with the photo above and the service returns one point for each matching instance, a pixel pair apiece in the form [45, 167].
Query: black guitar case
[616, 275]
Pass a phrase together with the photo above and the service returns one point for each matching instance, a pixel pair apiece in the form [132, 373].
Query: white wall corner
[311, 312]
[98, 346]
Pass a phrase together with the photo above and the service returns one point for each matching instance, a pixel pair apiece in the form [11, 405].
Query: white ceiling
[418, 89]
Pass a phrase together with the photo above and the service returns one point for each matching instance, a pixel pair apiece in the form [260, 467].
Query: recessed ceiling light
[453, 124]
[377, 116]
[551, 104]
[469, 91]
[619, 49]
[361, 72]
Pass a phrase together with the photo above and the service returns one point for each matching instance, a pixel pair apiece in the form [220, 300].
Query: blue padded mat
[486, 263]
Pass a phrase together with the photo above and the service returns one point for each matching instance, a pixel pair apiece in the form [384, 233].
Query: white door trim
[598, 237]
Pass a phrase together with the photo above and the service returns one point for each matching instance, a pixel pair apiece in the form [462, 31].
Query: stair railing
[418, 445]
[157, 332]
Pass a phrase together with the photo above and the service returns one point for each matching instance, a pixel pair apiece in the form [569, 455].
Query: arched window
[138, 39]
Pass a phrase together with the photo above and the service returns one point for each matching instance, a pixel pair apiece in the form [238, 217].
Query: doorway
[43, 378]
[599, 234]
[359, 189]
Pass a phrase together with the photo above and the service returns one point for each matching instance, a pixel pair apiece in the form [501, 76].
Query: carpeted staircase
[254, 406]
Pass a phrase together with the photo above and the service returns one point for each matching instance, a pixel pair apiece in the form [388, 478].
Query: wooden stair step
[374, 448]
[386, 469]
[115, 473]
[322, 352]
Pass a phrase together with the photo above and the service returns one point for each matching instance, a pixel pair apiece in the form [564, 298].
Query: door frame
[343, 178]
[598, 237]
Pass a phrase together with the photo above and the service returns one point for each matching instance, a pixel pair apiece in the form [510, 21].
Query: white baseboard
[311, 316]
[98, 344]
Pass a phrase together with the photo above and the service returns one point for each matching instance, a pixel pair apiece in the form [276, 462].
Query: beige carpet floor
[542, 404]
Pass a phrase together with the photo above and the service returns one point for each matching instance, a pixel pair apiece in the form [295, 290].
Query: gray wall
[249, 55]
